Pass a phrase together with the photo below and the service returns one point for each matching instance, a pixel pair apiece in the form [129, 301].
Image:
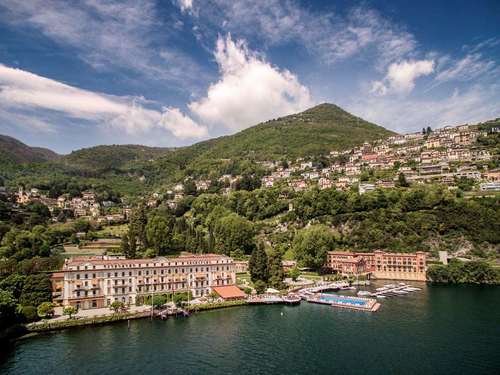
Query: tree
[138, 222]
[276, 272]
[36, 289]
[190, 187]
[402, 182]
[429, 130]
[45, 310]
[125, 245]
[257, 265]
[234, 232]
[132, 245]
[159, 233]
[117, 306]
[70, 311]
[294, 273]
[7, 308]
[311, 245]
[260, 286]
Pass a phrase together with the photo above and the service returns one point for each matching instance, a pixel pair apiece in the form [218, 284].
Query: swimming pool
[339, 299]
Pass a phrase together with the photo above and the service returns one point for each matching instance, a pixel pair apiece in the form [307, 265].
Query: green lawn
[113, 231]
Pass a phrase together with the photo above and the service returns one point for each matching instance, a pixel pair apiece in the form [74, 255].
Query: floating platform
[347, 302]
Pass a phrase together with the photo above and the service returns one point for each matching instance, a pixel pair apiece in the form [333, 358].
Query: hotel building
[96, 282]
[379, 264]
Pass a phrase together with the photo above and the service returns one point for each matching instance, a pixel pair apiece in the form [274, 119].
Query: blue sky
[168, 73]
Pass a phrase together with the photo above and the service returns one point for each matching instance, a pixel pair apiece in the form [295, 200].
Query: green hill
[313, 132]
[102, 159]
[16, 152]
[317, 130]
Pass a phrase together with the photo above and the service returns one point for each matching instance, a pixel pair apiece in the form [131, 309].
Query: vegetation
[70, 311]
[458, 272]
[130, 169]
[312, 244]
[46, 310]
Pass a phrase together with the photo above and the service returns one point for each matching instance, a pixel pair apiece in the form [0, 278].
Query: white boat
[412, 289]
[381, 296]
[362, 293]
[381, 289]
[400, 292]
[390, 286]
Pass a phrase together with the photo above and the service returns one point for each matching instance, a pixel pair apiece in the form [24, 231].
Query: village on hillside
[458, 157]
[454, 156]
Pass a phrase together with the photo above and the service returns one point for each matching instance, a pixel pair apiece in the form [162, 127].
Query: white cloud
[401, 76]
[107, 34]
[469, 67]
[328, 35]
[402, 114]
[25, 91]
[180, 125]
[250, 90]
[185, 5]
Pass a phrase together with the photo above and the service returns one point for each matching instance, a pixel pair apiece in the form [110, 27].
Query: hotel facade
[96, 282]
[379, 264]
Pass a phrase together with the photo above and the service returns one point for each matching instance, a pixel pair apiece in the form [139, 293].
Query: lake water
[439, 330]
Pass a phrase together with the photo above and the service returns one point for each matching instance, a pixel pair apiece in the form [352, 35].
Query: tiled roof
[229, 291]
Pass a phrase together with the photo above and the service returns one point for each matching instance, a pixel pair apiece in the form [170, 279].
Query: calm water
[440, 330]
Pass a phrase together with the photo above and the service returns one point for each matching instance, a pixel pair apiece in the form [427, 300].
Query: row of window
[162, 272]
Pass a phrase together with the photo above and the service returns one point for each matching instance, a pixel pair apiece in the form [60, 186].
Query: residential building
[365, 188]
[490, 186]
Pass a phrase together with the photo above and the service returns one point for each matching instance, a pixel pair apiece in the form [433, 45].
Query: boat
[362, 293]
[411, 289]
[383, 289]
[390, 286]
[381, 296]
[400, 292]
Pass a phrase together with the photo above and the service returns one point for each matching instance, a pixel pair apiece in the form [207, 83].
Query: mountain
[14, 151]
[317, 130]
[113, 157]
[127, 168]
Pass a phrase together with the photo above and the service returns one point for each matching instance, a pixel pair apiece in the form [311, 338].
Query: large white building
[95, 282]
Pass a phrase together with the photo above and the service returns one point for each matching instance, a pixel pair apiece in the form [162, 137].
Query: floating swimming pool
[345, 300]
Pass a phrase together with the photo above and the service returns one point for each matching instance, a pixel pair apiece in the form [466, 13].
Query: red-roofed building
[229, 292]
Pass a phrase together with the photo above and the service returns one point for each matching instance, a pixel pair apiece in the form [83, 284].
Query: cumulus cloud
[24, 91]
[180, 125]
[185, 5]
[249, 90]
[401, 76]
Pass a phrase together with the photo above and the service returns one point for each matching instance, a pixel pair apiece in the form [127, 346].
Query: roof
[229, 291]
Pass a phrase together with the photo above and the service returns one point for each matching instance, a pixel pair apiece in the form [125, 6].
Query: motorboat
[363, 293]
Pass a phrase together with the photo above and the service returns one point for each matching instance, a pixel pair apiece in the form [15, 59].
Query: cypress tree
[276, 273]
[257, 264]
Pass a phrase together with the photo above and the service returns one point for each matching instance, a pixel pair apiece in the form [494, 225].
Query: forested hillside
[135, 169]
[16, 152]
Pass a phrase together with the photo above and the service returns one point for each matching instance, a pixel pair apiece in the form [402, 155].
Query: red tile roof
[229, 292]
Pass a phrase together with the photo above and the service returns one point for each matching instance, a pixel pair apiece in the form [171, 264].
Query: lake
[439, 330]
